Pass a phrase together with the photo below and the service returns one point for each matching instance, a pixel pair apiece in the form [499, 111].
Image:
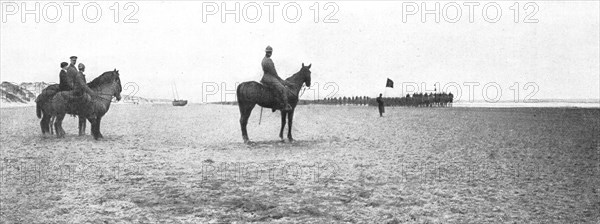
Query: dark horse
[251, 93]
[105, 86]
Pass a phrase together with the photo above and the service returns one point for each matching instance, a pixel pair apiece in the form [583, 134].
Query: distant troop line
[416, 100]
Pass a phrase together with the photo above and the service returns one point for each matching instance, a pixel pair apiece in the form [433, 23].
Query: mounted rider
[65, 83]
[80, 94]
[67, 78]
[74, 79]
[50, 91]
[272, 80]
[80, 87]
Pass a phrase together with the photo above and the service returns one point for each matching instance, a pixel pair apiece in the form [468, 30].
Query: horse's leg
[93, 124]
[44, 124]
[82, 123]
[290, 119]
[60, 132]
[283, 115]
[98, 134]
[245, 110]
[52, 119]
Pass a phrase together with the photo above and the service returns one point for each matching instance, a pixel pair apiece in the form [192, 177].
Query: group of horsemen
[73, 79]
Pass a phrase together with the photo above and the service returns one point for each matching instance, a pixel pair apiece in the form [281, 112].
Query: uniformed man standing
[380, 104]
[272, 80]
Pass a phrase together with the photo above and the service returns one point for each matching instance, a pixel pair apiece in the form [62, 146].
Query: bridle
[304, 87]
[99, 95]
[302, 90]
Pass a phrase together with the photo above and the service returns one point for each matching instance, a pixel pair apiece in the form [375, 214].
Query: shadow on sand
[75, 137]
[284, 144]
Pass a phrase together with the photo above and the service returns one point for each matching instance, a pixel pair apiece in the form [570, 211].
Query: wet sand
[165, 164]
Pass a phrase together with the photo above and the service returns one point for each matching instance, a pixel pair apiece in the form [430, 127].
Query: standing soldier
[380, 104]
[272, 80]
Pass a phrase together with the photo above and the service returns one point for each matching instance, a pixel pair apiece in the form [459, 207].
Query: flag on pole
[389, 83]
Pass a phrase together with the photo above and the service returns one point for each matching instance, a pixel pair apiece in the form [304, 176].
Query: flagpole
[385, 88]
[384, 91]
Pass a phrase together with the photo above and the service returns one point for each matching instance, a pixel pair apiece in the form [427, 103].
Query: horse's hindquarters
[254, 93]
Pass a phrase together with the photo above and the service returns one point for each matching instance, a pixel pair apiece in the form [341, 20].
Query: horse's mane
[106, 77]
[295, 75]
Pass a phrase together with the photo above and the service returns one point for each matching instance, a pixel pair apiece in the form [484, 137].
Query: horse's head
[305, 71]
[119, 88]
[108, 83]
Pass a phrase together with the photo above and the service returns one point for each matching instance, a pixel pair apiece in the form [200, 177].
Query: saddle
[279, 101]
[47, 93]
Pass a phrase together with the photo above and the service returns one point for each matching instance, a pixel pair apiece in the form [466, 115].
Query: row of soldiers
[416, 100]
[354, 100]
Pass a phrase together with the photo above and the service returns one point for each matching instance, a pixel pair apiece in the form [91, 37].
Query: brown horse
[251, 93]
[105, 86]
[46, 94]
[48, 122]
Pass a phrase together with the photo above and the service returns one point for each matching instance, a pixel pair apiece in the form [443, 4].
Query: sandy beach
[165, 164]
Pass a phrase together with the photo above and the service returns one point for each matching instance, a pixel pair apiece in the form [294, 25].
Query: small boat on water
[177, 101]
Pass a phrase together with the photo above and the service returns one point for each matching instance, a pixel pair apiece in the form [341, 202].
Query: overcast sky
[170, 43]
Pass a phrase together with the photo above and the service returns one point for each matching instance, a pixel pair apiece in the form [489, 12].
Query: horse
[105, 86]
[47, 123]
[251, 93]
[45, 95]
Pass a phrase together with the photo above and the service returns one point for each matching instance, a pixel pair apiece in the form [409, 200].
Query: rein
[303, 89]
[99, 95]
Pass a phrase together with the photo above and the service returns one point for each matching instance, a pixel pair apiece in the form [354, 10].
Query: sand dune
[164, 164]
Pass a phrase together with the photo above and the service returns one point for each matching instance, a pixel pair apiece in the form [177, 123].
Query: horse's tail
[238, 92]
[38, 105]
[38, 109]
